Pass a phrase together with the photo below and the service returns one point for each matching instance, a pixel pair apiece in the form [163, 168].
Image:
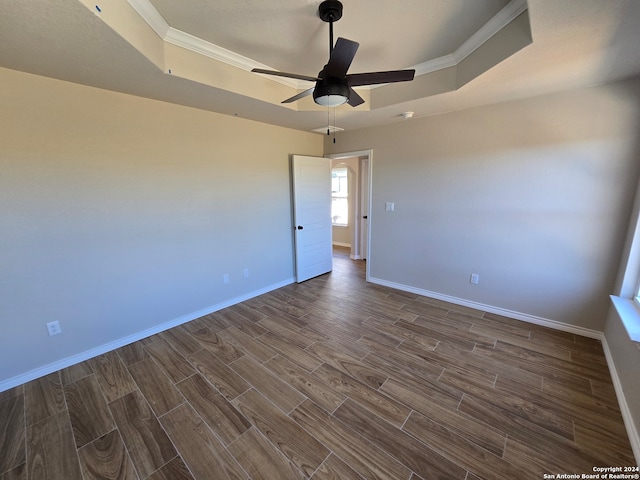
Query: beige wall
[342, 236]
[532, 195]
[119, 214]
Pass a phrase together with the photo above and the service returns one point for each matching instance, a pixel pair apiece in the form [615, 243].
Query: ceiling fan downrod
[330, 11]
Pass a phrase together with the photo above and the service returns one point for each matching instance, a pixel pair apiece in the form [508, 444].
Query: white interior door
[312, 216]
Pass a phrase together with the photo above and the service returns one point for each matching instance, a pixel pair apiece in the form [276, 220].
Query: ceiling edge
[167, 33]
[148, 12]
[195, 44]
[500, 20]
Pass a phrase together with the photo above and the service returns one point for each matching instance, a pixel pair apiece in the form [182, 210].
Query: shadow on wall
[629, 93]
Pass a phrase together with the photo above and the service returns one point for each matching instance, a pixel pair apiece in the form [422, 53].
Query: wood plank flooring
[330, 379]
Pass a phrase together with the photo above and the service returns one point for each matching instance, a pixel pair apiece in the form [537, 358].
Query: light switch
[389, 206]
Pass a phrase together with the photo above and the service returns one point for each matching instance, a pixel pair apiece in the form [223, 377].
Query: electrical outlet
[475, 279]
[389, 206]
[54, 328]
[245, 272]
[225, 278]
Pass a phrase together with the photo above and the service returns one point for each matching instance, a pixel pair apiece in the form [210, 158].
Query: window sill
[629, 313]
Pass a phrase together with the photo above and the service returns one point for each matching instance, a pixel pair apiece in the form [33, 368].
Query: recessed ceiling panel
[288, 35]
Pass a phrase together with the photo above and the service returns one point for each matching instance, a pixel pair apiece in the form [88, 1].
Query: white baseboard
[634, 435]
[121, 342]
[341, 244]
[525, 317]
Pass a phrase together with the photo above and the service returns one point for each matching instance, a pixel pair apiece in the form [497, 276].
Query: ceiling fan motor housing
[330, 10]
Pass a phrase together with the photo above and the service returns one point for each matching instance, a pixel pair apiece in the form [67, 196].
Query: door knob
[300, 227]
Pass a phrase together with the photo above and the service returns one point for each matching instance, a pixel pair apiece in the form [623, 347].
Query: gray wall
[532, 195]
[119, 214]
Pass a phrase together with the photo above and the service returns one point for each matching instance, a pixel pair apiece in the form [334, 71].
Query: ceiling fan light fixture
[334, 86]
[331, 94]
[331, 100]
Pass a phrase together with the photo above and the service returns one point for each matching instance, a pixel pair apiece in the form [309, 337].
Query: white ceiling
[130, 46]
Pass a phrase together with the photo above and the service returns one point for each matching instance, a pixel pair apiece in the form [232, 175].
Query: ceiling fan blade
[373, 78]
[341, 58]
[306, 93]
[354, 98]
[285, 74]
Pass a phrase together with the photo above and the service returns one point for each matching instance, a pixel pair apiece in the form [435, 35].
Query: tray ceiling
[199, 53]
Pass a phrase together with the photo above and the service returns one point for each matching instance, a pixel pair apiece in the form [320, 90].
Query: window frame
[626, 299]
[341, 195]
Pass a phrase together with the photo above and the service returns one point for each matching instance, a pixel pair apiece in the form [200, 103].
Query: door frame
[357, 236]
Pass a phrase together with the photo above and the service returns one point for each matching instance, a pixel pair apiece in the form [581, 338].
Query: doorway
[359, 165]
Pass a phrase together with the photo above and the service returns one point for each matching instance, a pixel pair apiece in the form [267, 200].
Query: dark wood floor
[330, 379]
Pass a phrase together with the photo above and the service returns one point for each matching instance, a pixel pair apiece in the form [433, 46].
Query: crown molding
[171, 35]
[147, 11]
[500, 20]
[436, 64]
[197, 45]
[208, 49]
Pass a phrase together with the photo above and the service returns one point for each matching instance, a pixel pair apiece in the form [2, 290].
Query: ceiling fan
[333, 85]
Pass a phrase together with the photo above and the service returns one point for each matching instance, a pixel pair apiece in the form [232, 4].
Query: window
[627, 297]
[339, 197]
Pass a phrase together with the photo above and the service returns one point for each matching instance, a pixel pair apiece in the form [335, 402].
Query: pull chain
[334, 125]
[328, 123]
